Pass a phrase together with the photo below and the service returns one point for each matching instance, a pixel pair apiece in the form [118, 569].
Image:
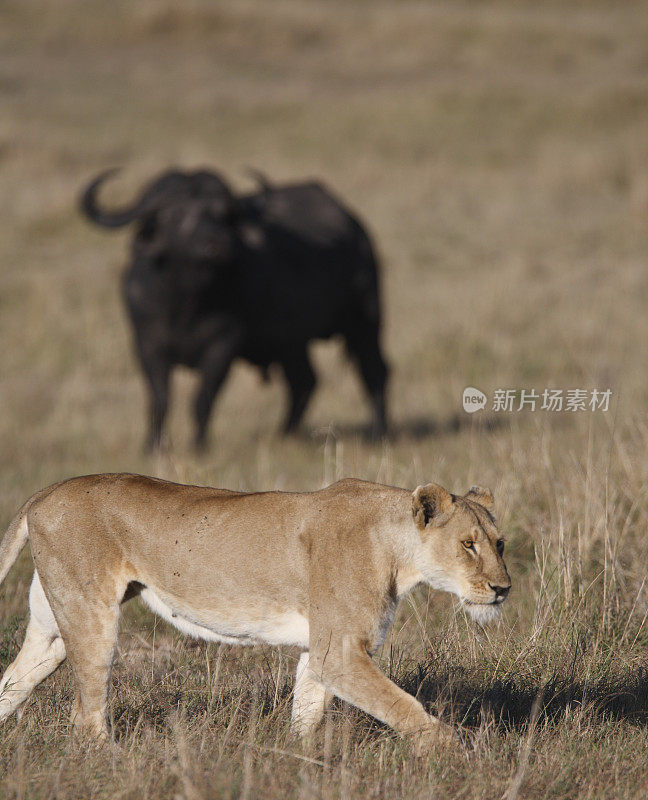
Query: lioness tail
[17, 534]
[14, 540]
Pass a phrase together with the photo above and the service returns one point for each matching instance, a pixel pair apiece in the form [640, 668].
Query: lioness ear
[431, 503]
[480, 495]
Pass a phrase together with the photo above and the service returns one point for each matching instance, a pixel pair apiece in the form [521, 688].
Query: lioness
[320, 570]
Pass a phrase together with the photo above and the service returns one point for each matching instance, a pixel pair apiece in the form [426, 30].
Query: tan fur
[321, 570]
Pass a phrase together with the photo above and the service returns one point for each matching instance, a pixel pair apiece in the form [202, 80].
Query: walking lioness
[320, 570]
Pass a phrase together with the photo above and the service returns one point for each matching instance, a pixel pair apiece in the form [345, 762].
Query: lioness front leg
[348, 671]
[309, 701]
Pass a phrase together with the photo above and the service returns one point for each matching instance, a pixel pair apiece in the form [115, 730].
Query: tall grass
[498, 153]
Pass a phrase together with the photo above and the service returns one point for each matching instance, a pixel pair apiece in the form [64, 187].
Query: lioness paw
[437, 735]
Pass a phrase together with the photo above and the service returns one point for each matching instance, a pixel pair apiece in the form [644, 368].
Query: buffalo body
[214, 277]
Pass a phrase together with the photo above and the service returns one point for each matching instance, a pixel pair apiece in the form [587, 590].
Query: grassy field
[498, 151]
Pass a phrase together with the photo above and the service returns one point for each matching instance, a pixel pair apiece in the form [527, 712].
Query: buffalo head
[187, 214]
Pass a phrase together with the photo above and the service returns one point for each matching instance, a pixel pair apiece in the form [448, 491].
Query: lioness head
[462, 548]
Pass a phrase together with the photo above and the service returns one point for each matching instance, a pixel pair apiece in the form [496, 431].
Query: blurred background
[498, 154]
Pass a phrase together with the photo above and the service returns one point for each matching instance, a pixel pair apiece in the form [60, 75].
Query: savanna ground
[499, 154]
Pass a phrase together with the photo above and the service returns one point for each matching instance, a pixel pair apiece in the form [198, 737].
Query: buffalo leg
[301, 382]
[365, 349]
[214, 368]
[156, 370]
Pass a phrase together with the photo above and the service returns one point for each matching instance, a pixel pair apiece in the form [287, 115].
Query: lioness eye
[469, 545]
[500, 546]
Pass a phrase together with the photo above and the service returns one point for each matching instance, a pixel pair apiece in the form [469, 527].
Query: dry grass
[498, 151]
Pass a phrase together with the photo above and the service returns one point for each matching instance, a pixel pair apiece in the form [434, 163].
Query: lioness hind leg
[42, 652]
[91, 645]
[309, 701]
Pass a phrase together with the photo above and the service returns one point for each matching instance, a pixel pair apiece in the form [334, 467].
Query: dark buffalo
[214, 277]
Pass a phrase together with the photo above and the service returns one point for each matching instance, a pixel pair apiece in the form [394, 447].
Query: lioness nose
[500, 591]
